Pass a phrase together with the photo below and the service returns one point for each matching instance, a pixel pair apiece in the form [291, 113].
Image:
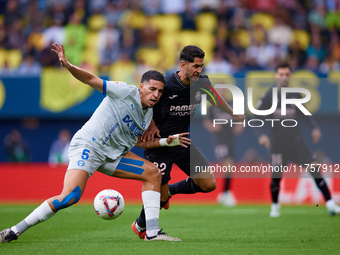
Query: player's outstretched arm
[79, 73]
[171, 141]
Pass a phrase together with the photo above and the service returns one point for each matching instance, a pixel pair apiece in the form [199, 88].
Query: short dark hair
[190, 52]
[152, 75]
[283, 65]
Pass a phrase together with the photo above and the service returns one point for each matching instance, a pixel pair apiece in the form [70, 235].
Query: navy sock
[322, 185]
[274, 188]
[187, 186]
[141, 219]
[227, 184]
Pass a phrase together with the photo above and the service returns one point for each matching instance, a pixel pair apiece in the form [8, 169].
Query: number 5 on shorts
[85, 154]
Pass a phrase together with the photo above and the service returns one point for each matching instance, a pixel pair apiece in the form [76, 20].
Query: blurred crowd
[124, 38]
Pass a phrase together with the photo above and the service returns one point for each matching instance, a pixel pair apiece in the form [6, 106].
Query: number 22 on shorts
[161, 167]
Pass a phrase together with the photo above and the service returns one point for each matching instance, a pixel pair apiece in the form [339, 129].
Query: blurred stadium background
[119, 40]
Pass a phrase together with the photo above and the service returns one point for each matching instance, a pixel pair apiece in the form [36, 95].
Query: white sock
[330, 203]
[40, 214]
[151, 201]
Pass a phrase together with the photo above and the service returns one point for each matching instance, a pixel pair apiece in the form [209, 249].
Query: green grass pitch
[210, 229]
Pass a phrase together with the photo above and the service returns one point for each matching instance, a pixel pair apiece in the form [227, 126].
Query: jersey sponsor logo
[173, 96]
[134, 130]
[110, 133]
[183, 110]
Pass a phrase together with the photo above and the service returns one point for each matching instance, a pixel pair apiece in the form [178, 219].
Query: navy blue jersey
[280, 133]
[177, 106]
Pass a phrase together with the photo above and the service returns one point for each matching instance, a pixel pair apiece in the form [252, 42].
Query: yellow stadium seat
[92, 40]
[151, 57]
[168, 41]
[188, 37]
[14, 58]
[96, 22]
[123, 71]
[134, 19]
[92, 57]
[167, 22]
[206, 41]
[302, 37]
[244, 37]
[267, 21]
[206, 21]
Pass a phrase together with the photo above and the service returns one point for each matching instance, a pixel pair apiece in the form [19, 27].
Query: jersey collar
[179, 80]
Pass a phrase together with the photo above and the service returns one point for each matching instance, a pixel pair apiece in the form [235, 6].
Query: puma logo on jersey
[173, 96]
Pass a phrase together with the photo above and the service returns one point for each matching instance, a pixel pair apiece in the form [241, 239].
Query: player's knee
[154, 175]
[66, 200]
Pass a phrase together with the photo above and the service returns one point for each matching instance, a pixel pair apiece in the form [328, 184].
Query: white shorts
[83, 156]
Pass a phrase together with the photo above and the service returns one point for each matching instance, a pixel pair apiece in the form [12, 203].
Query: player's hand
[59, 50]
[264, 141]
[181, 139]
[150, 133]
[239, 118]
[316, 135]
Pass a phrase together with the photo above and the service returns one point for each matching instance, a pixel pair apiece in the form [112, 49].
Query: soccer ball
[109, 204]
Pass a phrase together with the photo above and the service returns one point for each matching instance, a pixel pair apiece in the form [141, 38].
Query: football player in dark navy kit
[287, 144]
[223, 142]
[173, 114]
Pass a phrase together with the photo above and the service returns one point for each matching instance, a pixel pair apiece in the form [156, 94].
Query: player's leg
[164, 165]
[134, 167]
[303, 155]
[226, 197]
[74, 185]
[274, 189]
[198, 181]
[278, 158]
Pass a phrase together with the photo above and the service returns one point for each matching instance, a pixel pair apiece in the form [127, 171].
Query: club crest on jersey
[198, 96]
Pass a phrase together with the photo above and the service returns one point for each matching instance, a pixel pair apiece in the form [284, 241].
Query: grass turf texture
[203, 229]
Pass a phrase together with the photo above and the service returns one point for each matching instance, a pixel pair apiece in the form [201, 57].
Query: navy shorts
[186, 160]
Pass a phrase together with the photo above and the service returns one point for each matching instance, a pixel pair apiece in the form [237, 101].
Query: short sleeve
[117, 89]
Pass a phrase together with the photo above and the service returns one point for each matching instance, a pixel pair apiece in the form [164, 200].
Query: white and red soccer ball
[109, 204]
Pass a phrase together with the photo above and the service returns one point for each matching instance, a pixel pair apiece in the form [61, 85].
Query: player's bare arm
[79, 73]
[152, 130]
[172, 140]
